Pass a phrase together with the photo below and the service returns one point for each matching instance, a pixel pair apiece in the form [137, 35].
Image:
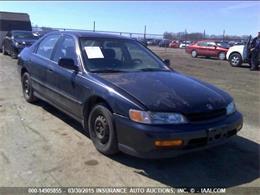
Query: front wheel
[235, 60]
[14, 54]
[27, 88]
[102, 131]
[194, 54]
[222, 56]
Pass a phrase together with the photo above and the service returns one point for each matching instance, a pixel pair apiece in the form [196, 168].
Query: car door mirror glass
[68, 63]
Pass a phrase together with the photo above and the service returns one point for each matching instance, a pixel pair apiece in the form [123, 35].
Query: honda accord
[125, 96]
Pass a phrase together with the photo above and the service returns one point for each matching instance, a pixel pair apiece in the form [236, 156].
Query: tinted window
[46, 46]
[8, 34]
[66, 49]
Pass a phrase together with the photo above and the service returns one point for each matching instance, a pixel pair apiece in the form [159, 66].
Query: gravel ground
[40, 146]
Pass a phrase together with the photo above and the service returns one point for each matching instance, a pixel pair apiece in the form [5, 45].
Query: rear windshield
[24, 35]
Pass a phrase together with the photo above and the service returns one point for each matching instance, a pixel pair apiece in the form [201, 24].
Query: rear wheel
[27, 88]
[235, 60]
[194, 54]
[102, 131]
[222, 56]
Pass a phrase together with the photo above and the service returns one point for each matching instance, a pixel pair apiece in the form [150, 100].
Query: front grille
[195, 117]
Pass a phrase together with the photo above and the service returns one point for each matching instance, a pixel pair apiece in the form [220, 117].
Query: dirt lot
[40, 146]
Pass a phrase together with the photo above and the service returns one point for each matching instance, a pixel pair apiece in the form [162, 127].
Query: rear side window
[45, 48]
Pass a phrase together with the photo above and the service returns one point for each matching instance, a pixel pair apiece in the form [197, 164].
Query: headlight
[156, 117]
[231, 108]
[17, 44]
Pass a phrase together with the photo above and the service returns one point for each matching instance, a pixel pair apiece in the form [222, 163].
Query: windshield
[118, 55]
[223, 44]
[24, 35]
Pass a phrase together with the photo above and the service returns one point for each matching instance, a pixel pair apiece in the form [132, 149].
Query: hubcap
[194, 53]
[235, 60]
[101, 129]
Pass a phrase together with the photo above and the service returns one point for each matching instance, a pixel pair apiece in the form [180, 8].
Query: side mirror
[68, 63]
[167, 62]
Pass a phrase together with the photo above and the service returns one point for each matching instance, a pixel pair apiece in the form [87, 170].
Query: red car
[207, 48]
[174, 44]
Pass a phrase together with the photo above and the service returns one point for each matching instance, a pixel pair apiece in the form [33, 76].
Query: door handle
[50, 70]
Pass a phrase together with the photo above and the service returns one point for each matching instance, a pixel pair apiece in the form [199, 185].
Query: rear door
[40, 64]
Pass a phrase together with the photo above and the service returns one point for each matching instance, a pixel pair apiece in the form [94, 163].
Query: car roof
[21, 31]
[79, 34]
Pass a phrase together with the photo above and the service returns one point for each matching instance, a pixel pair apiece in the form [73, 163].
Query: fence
[127, 34]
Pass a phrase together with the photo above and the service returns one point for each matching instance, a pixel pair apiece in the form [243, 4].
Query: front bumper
[138, 139]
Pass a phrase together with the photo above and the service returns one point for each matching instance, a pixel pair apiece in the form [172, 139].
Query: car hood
[237, 48]
[168, 91]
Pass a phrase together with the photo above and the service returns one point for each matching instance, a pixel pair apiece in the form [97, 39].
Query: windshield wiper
[108, 71]
[152, 69]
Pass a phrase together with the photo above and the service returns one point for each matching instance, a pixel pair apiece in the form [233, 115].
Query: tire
[3, 50]
[102, 131]
[235, 60]
[222, 56]
[14, 54]
[194, 54]
[27, 88]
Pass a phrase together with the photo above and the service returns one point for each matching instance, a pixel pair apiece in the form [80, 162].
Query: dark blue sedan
[125, 96]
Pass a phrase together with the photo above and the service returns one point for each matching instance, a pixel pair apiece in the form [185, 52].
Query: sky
[236, 18]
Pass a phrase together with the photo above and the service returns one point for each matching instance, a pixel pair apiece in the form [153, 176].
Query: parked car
[239, 54]
[174, 44]
[164, 43]
[207, 48]
[16, 40]
[184, 44]
[125, 96]
[13, 21]
[142, 41]
[153, 42]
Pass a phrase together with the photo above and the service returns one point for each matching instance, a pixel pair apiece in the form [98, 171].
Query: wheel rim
[101, 129]
[235, 60]
[193, 53]
[26, 86]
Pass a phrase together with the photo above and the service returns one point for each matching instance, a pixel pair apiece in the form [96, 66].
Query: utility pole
[224, 35]
[185, 37]
[94, 26]
[204, 34]
[144, 32]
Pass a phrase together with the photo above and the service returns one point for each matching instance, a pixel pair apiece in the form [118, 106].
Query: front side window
[66, 49]
[105, 55]
[211, 44]
[47, 45]
[202, 43]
